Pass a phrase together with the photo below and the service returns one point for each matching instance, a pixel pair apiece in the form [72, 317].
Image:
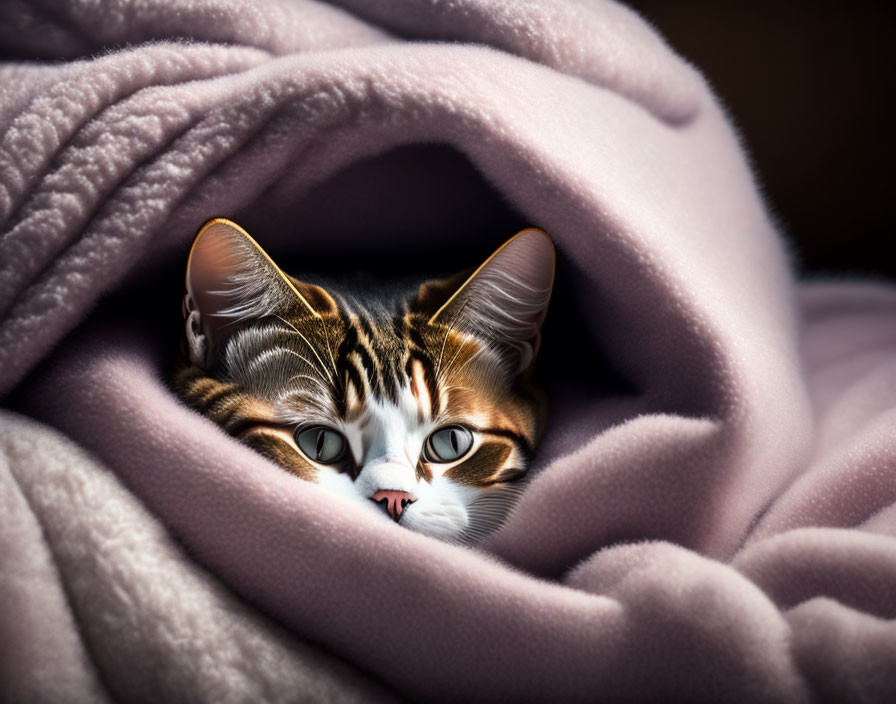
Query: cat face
[417, 408]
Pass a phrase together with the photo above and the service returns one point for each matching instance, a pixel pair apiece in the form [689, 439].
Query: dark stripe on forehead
[389, 378]
[416, 337]
[366, 326]
[373, 376]
[354, 374]
[429, 377]
[349, 339]
[399, 328]
[346, 371]
[420, 353]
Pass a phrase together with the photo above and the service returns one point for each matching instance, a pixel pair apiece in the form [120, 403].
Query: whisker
[472, 357]
[453, 360]
[308, 362]
[316, 380]
[310, 346]
[448, 330]
[329, 346]
[452, 386]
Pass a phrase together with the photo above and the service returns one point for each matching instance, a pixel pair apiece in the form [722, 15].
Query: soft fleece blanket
[712, 515]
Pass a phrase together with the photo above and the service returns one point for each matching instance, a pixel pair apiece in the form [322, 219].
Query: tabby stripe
[339, 387]
[354, 374]
[226, 414]
[523, 445]
[429, 376]
[208, 403]
[373, 376]
[346, 366]
[366, 326]
[242, 425]
[390, 375]
[366, 353]
[277, 449]
[399, 326]
[349, 341]
[479, 469]
[429, 369]
[416, 337]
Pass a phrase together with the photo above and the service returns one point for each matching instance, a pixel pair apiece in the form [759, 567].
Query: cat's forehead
[423, 371]
[341, 366]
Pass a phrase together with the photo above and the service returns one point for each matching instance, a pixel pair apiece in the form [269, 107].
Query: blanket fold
[101, 604]
[712, 512]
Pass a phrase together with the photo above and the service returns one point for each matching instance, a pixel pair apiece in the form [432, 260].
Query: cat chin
[441, 510]
[443, 524]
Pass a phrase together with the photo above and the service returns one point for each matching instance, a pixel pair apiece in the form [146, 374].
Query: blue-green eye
[321, 444]
[448, 444]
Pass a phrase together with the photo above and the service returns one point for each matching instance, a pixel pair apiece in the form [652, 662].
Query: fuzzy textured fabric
[712, 513]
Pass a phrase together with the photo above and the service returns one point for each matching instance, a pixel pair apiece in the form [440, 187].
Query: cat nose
[393, 501]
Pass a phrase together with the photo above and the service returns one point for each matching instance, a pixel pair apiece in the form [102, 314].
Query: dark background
[809, 84]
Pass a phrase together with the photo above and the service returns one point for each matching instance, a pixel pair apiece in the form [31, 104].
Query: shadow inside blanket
[414, 212]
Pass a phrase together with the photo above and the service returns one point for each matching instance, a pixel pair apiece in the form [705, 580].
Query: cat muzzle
[395, 502]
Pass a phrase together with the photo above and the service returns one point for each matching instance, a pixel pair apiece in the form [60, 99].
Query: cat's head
[420, 409]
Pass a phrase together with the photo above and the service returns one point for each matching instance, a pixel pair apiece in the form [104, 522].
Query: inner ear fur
[230, 279]
[505, 300]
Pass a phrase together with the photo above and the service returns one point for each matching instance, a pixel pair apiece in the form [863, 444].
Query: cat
[421, 409]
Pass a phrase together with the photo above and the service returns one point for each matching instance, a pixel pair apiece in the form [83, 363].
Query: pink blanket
[712, 514]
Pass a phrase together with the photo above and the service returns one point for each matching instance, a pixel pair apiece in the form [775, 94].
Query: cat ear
[231, 279]
[505, 299]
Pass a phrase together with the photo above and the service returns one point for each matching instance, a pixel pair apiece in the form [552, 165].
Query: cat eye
[448, 444]
[321, 444]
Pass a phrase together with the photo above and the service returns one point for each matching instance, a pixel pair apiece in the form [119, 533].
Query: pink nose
[393, 501]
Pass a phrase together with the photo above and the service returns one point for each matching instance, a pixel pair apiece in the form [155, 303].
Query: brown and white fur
[273, 359]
